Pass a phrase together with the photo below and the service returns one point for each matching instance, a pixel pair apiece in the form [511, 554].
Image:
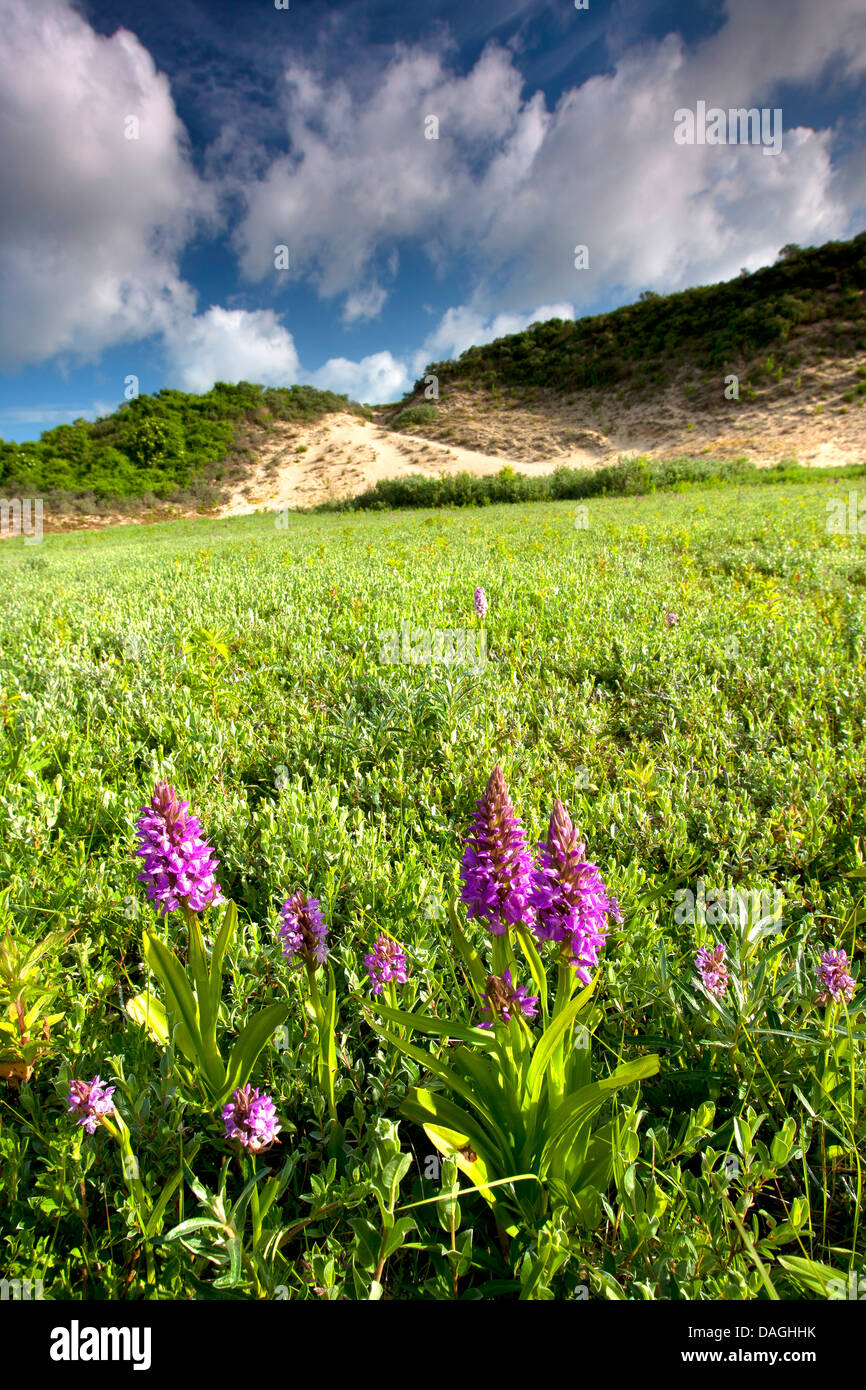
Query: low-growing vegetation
[629, 477]
[294, 1004]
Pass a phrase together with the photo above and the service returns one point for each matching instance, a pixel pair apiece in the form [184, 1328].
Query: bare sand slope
[343, 454]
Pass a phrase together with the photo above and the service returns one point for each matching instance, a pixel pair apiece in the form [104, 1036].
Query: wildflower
[178, 863]
[251, 1118]
[671, 618]
[386, 961]
[502, 1000]
[834, 978]
[712, 969]
[480, 602]
[303, 931]
[90, 1101]
[496, 869]
[572, 904]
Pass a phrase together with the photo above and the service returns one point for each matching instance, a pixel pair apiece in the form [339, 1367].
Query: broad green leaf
[436, 1027]
[450, 1078]
[497, 1082]
[551, 1037]
[453, 1144]
[597, 1167]
[201, 979]
[249, 1044]
[425, 1107]
[147, 1011]
[228, 927]
[576, 1109]
[398, 1233]
[816, 1276]
[195, 1223]
[471, 959]
[179, 998]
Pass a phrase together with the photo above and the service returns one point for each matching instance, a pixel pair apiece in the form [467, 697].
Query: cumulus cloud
[230, 345]
[763, 44]
[92, 224]
[512, 187]
[364, 303]
[90, 221]
[361, 174]
[377, 378]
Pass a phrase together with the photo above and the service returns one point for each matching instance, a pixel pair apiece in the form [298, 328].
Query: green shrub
[415, 415]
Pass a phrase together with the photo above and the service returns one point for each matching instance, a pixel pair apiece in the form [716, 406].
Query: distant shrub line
[626, 478]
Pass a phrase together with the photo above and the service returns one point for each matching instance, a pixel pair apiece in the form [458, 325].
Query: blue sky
[155, 155]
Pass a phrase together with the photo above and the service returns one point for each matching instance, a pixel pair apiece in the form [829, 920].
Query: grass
[241, 662]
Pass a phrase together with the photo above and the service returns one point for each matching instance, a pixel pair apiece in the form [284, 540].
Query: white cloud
[763, 43]
[361, 176]
[230, 345]
[514, 187]
[377, 378]
[364, 303]
[92, 224]
[90, 221]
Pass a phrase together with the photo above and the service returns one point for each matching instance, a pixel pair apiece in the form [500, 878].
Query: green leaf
[179, 998]
[248, 1045]
[195, 1223]
[154, 1224]
[436, 1027]
[425, 1107]
[536, 966]
[580, 1107]
[453, 1144]
[329, 1041]
[398, 1233]
[224, 937]
[547, 1043]
[815, 1276]
[479, 1100]
[147, 1011]
[207, 1011]
[471, 959]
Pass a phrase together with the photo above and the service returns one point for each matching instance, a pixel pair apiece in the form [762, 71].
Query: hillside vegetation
[649, 380]
[708, 326]
[168, 445]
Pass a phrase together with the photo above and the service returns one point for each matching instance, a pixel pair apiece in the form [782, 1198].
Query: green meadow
[684, 670]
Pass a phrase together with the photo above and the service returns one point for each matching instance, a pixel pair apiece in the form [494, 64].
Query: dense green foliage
[414, 415]
[154, 445]
[629, 477]
[708, 326]
[242, 660]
